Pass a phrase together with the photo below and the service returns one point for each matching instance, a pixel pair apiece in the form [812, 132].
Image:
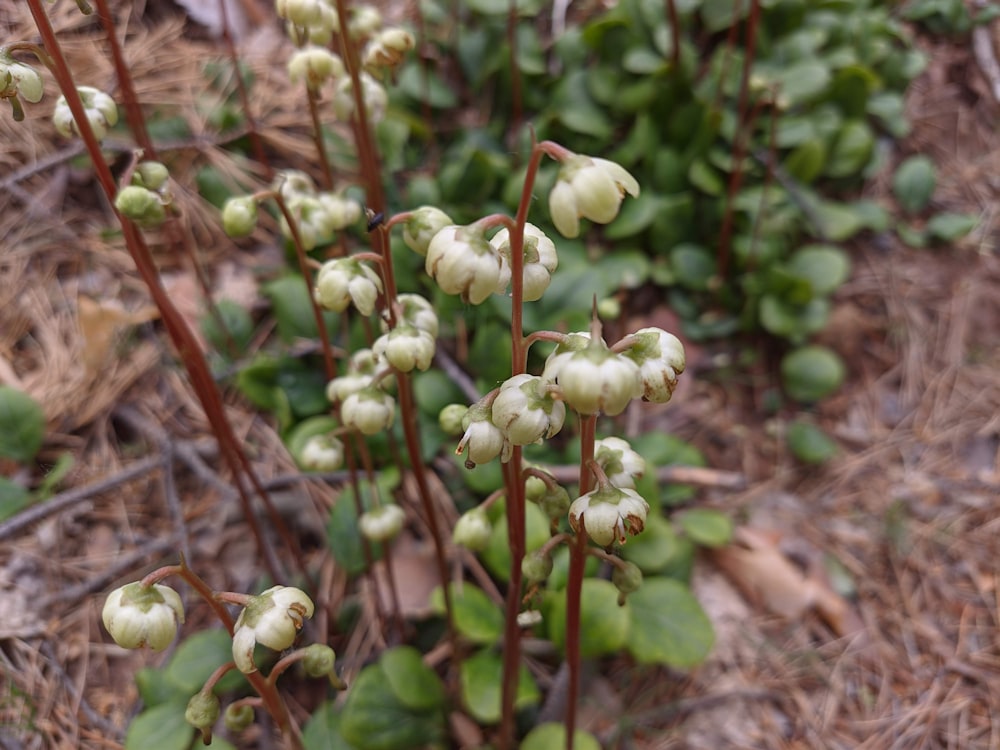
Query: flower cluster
[318, 215]
[99, 108]
[146, 200]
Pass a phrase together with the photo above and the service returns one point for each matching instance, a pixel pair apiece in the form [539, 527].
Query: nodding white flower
[621, 465]
[340, 388]
[383, 523]
[321, 453]
[300, 12]
[373, 94]
[573, 342]
[342, 281]
[591, 188]
[387, 48]
[369, 411]
[596, 379]
[421, 226]
[136, 615]
[19, 79]
[607, 514]
[294, 183]
[314, 65]
[365, 21]
[310, 220]
[406, 347]
[239, 216]
[100, 109]
[473, 530]
[417, 312]
[526, 412]
[272, 619]
[484, 439]
[660, 356]
[540, 261]
[462, 262]
[340, 212]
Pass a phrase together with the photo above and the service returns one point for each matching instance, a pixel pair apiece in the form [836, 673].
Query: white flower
[421, 226]
[473, 530]
[660, 356]
[574, 342]
[300, 12]
[406, 347]
[344, 280]
[606, 514]
[484, 439]
[19, 79]
[369, 411]
[418, 312]
[525, 412]
[321, 453]
[136, 615]
[462, 262]
[620, 463]
[272, 619]
[591, 188]
[540, 261]
[310, 220]
[374, 97]
[383, 523]
[596, 379]
[100, 109]
[386, 49]
[293, 184]
[340, 388]
[239, 216]
[366, 362]
[339, 212]
[315, 66]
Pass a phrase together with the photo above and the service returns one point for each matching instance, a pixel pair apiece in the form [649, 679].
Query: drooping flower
[660, 357]
[136, 615]
[606, 514]
[526, 412]
[540, 261]
[272, 619]
[590, 188]
[462, 262]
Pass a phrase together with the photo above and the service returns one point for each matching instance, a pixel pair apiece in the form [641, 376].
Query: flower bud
[536, 566]
[421, 226]
[344, 280]
[596, 379]
[387, 48]
[418, 312]
[529, 618]
[19, 79]
[321, 453]
[272, 619]
[142, 206]
[369, 411]
[365, 21]
[620, 463]
[605, 514]
[302, 13]
[100, 109]
[462, 262]
[540, 261]
[239, 216]
[340, 388]
[202, 710]
[293, 184]
[406, 347]
[627, 577]
[366, 362]
[450, 419]
[319, 660]
[573, 342]
[238, 716]
[151, 174]
[534, 488]
[473, 530]
[314, 65]
[383, 523]
[660, 357]
[591, 188]
[339, 212]
[310, 219]
[484, 439]
[373, 94]
[526, 412]
[136, 615]
[555, 502]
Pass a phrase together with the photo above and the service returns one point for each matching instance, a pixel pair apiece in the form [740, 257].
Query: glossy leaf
[481, 677]
[550, 736]
[476, 616]
[604, 626]
[13, 498]
[374, 719]
[322, 731]
[414, 684]
[824, 266]
[948, 227]
[668, 625]
[198, 656]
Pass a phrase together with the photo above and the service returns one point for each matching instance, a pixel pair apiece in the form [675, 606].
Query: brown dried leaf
[100, 325]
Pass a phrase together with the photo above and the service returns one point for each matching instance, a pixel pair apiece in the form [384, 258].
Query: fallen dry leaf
[101, 322]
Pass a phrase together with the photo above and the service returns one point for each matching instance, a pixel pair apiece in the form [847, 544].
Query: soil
[856, 608]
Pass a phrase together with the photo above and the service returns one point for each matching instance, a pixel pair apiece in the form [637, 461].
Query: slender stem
[324, 160]
[574, 583]
[675, 35]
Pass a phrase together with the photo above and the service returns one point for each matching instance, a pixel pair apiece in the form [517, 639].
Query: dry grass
[908, 511]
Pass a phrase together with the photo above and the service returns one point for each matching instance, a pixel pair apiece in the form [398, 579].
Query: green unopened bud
[141, 205]
[202, 710]
[473, 530]
[383, 523]
[239, 216]
[555, 502]
[450, 419]
[534, 489]
[151, 174]
[238, 716]
[536, 566]
[421, 226]
[626, 577]
[319, 660]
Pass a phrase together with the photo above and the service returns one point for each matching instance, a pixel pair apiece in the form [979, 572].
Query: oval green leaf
[604, 626]
[413, 683]
[707, 527]
[22, 425]
[482, 680]
[914, 182]
[551, 735]
[809, 444]
[825, 267]
[668, 625]
[476, 617]
[811, 373]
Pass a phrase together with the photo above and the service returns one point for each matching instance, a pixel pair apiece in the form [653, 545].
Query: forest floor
[870, 618]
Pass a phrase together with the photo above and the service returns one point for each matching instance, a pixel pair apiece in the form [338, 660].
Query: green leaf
[22, 425]
[481, 676]
[13, 498]
[721, 14]
[811, 373]
[668, 625]
[229, 330]
[550, 736]
[802, 81]
[807, 161]
[322, 731]
[374, 719]
[914, 183]
[825, 267]
[496, 556]
[343, 537]
[637, 215]
[162, 727]
[839, 221]
[296, 438]
[793, 321]
[154, 687]
[852, 150]
[707, 527]
[948, 227]
[197, 657]
[424, 85]
[434, 390]
[604, 626]
[656, 548]
[476, 617]
[290, 298]
[693, 266]
[576, 110]
[809, 443]
[706, 179]
[413, 683]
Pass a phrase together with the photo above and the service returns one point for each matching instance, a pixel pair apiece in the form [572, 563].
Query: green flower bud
[238, 716]
[450, 419]
[202, 710]
[141, 205]
[383, 523]
[473, 530]
[555, 502]
[151, 174]
[626, 577]
[239, 216]
[534, 489]
[536, 566]
[369, 411]
[319, 660]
